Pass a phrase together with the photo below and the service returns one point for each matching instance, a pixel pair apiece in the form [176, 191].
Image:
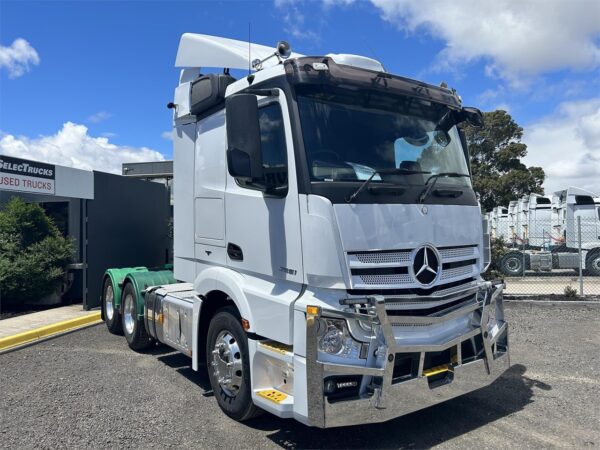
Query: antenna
[249, 52]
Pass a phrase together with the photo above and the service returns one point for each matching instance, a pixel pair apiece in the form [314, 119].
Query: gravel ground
[87, 389]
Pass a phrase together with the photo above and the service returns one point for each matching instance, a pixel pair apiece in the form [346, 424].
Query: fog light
[329, 387]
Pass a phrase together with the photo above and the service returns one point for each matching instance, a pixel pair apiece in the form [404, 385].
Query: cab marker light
[312, 310]
[245, 324]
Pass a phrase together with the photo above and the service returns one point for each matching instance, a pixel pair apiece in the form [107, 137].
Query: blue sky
[106, 68]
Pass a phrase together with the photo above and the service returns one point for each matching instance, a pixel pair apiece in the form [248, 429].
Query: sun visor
[324, 70]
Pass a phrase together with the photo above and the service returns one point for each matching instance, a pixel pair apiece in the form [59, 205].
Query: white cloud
[168, 135]
[18, 57]
[567, 145]
[72, 146]
[100, 116]
[517, 38]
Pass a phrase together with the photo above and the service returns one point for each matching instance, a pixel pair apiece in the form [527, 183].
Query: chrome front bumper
[387, 399]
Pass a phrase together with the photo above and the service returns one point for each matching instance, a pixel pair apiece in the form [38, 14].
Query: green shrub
[498, 251]
[570, 292]
[33, 253]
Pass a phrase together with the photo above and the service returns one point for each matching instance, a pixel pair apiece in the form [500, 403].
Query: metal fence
[542, 258]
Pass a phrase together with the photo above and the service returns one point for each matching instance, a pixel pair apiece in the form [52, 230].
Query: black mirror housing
[244, 153]
[238, 163]
[472, 116]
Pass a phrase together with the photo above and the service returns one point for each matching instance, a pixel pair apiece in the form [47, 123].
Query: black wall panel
[127, 226]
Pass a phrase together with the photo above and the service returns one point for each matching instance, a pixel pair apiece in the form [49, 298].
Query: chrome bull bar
[386, 399]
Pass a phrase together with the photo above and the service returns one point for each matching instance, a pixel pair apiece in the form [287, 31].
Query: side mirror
[472, 116]
[244, 154]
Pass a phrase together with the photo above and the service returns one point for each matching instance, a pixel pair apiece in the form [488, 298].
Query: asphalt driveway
[87, 389]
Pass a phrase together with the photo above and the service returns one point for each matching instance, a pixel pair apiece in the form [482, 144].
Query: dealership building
[113, 220]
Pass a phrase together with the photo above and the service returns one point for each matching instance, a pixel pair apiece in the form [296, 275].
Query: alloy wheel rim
[109, 309]
[512, 264]
[129, 314]
[227, 363]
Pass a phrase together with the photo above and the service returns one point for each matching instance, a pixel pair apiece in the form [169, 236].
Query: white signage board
[26, 176]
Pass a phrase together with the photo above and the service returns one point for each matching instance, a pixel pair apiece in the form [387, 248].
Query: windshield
[348, 138]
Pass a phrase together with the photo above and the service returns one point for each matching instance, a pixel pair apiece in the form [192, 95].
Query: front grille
[457, 252]
[429, 313]
[432, 309]
[383, 257]
[385, 279]
[391, 269]
[456, 272]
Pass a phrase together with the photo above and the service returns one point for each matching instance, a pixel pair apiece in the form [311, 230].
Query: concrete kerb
[29, 337]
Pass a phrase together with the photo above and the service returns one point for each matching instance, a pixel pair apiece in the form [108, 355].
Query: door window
[274, 153]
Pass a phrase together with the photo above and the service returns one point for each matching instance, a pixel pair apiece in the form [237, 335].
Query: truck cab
[327, 206]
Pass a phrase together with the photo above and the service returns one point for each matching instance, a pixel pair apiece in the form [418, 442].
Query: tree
[496, 151]
[33, 253]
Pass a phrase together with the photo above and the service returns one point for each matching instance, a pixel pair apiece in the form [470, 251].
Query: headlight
[335, 339]
[332, 341]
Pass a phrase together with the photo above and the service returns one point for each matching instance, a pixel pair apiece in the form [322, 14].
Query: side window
[272, 137]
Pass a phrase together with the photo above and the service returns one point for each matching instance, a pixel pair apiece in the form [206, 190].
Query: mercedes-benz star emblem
[426, 265]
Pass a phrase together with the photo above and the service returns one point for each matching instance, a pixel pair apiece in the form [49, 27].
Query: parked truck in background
[328, 243]
[546, 233]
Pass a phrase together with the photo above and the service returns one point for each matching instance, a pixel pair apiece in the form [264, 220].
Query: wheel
[112, 317]
[512, 264]
[592, 262]
[133, 328]
[228, 365]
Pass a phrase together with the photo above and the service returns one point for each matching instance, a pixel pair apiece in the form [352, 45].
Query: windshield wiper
[382, 172]
[436, 177]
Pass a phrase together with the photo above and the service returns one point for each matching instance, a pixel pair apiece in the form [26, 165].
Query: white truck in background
[328, 242]
[547, 236]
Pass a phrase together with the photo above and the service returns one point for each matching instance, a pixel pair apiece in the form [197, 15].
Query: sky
[86, 83]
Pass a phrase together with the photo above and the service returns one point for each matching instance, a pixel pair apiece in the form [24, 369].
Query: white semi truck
[500, 224]
[328, 242]
[549, 236]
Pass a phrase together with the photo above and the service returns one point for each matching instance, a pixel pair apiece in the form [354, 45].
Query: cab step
[275, 401]
[273, 394]
[276, 350]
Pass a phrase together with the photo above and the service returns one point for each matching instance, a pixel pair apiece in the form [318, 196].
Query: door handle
[235, 252]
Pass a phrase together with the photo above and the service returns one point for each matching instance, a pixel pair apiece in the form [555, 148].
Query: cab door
[263, 238]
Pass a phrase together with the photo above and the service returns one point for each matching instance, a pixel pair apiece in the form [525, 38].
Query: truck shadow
[182, 364]
[508, 394]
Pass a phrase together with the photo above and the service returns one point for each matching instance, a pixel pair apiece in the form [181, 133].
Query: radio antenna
[249, 52]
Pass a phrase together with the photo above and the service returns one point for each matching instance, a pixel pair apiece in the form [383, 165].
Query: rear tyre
[133, 328]
[112, 317]
[228, 365]
[511, 264]
[592, 263]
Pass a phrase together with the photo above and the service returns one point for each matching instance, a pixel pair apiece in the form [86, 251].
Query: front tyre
[592, 263]
[228, 365]
[112, 317]
[511, 264]
[133, 328]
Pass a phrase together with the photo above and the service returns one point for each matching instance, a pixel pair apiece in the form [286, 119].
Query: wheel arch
[228, 282]
[117, 278]
[141, 281]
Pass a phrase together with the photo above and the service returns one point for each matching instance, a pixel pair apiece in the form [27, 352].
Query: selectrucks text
[328, 245]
